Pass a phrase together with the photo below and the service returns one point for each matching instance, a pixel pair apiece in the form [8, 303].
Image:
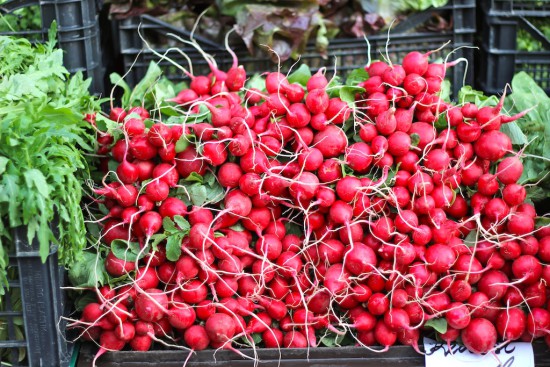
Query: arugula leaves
[43, 142]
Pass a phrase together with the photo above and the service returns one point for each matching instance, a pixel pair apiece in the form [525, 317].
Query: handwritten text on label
[511, 355]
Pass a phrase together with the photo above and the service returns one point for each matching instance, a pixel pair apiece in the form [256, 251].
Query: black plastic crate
[349, 53]
[537, 8]
[78, 33]
[403, 356]
[499, 49]
[37, 288]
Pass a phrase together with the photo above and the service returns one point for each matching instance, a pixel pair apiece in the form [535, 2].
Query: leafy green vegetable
[89, 271]
[439, 325]
[43, 142]
[532, 132]
[300, 75]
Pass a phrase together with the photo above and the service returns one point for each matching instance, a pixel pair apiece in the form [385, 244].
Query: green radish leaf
[210, 179]
[357, 76]
[442, 122]
[300, 75]
[535, 193]
[194, 177]
[125, 250]
[415, 139]
[237, 227]
[293, 228]
[117, 80]
[85, 299]
[331, 339]
[156, 239]
[173, 247]
[199, 194]
[347, 94]
[169, 225]
[471, 238]
[445, 92]
[439, 325]
[257, 337]
[146, 84]
[542, 222]
[182, 144]
[514, 133]
[182, 223]
[257, 81]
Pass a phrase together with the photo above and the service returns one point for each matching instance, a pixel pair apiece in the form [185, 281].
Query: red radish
[377, 103]
[229, 175]
[384, 335]
[414, 84]
[359, 156]
[157, 190]
[493, 284]
[360, 259]
[134, 126]
[368, 132]
[126, 195]
[337, 111]
[196, 337]
[171, 207]
[386, 122]
[511, 323]
[514, 194]
[394, 75]
[118, 267]
[125, 331]
[399, 143]
[127, 172]
[151, 305]
[440, 258]
[236, 76]
[527, 268]
[424, 131]
[317, 81]
[458, 316]
[417, 63]
[188, 162]
[200, 84]
[117, 114]
[373, 85]
[538, 322]
[159, 135]
[492, 145]
[181, 316]
[509, 170]
[331, 141]
[108, 341]
[167, 173]
[141, 148]
[317, 101]
[480, 336]
[397, 319]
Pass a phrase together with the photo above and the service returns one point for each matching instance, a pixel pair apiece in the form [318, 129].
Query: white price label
[511, 355]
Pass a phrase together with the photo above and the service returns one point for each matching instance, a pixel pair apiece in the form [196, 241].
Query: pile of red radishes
[365, 219]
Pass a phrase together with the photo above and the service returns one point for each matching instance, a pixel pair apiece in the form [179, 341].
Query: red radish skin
[480, 336]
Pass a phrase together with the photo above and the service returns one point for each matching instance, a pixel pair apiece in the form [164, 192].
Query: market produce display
[297, 211]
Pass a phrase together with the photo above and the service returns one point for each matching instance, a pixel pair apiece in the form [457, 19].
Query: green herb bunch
[43, 145]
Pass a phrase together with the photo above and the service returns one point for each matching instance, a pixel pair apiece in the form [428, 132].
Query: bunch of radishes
[408, 209]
